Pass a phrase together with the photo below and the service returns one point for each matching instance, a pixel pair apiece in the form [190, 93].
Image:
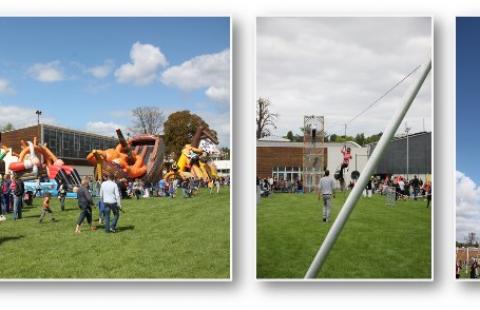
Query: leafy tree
[7, 127]
[148, 120]
[333, 138]
[265, 118]
[290, 136]
[180, 128]
[225, 151]
[360, 139]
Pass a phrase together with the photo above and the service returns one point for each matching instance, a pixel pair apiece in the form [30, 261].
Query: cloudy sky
[88, 73]
[467, 111]
[336, 67]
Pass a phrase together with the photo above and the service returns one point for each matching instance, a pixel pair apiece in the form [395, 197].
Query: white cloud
[101, 71]
[146, 59]
[104, 128]
[468, 206]
[47, 72]
[5, 87]
[24, 117]
[336, 67]
[220, 122]
[210, 71]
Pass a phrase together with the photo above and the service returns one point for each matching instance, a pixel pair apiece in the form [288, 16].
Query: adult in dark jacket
[18, 191]
[85, 203]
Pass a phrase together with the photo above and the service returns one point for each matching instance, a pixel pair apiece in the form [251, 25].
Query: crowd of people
[106, 195]
[403, 187]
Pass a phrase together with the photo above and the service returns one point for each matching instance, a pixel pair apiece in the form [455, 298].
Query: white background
[244, 291]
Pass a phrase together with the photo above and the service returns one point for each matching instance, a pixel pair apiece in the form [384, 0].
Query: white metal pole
[355, 194]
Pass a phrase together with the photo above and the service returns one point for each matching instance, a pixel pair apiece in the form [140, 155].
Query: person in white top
[110, 196]
[326, 190]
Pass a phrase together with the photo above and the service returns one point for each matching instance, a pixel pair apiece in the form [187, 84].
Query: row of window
[68, 144]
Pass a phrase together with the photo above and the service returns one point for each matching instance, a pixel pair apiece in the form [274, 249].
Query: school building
[284, 160]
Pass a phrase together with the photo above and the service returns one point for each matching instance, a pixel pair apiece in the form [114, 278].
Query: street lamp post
[38, 112]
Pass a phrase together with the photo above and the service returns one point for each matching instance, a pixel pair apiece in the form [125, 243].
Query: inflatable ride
[141, 157]
[194, 160]
[37, 161]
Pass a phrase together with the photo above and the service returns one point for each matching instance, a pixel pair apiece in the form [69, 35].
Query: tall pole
[38, 112]
[407, 130]
[355, 194]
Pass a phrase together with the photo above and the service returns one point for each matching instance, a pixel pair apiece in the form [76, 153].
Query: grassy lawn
[157, 238]
[377, 241]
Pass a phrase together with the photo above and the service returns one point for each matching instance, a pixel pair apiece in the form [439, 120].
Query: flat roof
[262, 143]
[80, 131]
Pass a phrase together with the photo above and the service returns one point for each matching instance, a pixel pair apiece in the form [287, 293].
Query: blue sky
[468, 95]
[88, 73]
[468, 109]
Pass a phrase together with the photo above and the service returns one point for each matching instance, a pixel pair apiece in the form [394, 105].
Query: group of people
[168, 188]
[267, 186]
[473, 269]
[404, 188]
[109, 202]
[12, 190]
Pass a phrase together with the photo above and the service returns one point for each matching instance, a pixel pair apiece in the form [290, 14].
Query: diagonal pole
[355, 194]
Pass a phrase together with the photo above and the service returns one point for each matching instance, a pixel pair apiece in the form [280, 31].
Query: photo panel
[467, 174]
[344, 116]
[115, 148]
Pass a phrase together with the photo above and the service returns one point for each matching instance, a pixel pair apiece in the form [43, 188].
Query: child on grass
[46, 208]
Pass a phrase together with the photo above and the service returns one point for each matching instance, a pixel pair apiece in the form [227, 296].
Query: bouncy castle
[139, 157]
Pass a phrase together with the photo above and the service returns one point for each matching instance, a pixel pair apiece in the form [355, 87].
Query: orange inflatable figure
[121, 160]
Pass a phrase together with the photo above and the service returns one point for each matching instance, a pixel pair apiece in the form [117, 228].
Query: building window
[283, 173]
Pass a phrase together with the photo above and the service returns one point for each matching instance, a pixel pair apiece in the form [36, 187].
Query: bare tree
[265, 118]
[148, 120]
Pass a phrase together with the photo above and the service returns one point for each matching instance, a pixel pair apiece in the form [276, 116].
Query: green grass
[378, 242]
[158, 238]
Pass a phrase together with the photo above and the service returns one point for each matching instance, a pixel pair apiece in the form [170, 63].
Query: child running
[46, 208]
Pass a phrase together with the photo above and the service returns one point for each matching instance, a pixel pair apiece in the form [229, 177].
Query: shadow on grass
[5, 239]
[125, 228]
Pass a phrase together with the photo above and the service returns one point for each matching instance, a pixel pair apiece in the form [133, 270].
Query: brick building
[283, 159]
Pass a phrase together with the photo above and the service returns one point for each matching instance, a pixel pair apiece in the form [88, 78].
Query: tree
[7, 127]
[225, 153]
[180, 128]
[265, 118]
[360, 139]
[148, 120]
[290, 136]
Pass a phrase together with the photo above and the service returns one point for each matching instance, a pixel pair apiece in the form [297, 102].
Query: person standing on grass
[217, 185]
[326, 191]
[428, 192]
[110, 196]
[473, 269]
[18, 189]
[5, 191]
[85, 203]
[46, 208]
[62, 193]
[137, 188]
[210, 186]
[458, 269]
[415, 185]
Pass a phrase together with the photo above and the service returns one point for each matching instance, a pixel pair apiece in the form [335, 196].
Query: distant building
[283, 159]
[223, 167]
[72, 146]
[395, 162]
